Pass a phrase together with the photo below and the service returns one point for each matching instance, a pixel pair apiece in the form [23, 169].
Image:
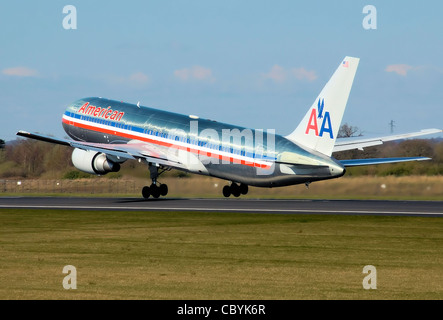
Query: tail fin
[319, 128]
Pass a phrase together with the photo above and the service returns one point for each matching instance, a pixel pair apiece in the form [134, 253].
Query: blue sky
[258, 64]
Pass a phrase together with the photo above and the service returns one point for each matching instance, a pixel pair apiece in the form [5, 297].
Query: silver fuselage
[250, 156]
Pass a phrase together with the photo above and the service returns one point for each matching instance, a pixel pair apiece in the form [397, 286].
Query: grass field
[186, 255]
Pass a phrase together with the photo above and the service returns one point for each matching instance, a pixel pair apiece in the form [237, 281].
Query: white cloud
[277, 74]
[136, 79]
[302, 74]
[400, 69]
[139, 78]
[280, 74]
[195, 73]
[20, 72]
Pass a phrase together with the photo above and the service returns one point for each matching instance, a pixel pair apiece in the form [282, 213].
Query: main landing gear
[235, 189]
[155, 189]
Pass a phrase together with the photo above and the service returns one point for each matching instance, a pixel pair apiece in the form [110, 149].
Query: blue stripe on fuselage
[153, 134]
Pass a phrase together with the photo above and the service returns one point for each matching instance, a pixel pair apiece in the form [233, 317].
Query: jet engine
[93, 162]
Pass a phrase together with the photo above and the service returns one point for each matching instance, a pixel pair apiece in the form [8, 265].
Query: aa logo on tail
[320, 107]
[326, 123]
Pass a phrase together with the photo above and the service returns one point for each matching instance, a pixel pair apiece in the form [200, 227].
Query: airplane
[105, 133]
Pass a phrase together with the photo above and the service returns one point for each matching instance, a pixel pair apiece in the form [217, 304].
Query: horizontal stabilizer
[366, 162]
[343, 144]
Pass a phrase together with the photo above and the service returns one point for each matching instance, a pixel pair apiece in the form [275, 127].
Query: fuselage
[250, 156]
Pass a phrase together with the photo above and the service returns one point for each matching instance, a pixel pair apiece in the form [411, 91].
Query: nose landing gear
[155, 189]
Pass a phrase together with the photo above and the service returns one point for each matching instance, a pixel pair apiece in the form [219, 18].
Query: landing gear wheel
[163, 189]
[155, 191]
[235, 190]
[146, 192]
[243, 188]
[226, 191]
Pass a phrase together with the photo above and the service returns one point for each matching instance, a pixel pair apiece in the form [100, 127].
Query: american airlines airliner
[105, 133]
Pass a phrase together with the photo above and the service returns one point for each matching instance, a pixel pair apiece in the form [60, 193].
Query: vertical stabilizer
[319, 128]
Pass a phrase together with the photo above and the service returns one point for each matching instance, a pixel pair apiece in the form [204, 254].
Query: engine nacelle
[93, 162]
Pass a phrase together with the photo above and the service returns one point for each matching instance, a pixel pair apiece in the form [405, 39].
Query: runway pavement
[354, 207]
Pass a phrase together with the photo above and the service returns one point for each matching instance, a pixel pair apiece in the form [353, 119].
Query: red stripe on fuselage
[165, 144]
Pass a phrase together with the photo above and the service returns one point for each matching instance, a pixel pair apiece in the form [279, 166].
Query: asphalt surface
[352, 207]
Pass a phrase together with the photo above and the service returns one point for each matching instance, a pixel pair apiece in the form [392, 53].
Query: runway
[272, 206]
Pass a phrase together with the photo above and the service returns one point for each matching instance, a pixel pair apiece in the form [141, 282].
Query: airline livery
[106, 133]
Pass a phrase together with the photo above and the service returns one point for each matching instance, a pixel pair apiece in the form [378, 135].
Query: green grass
[190, 255]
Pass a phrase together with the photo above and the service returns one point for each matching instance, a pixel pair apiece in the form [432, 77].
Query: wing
[131, 150]
[343, 144]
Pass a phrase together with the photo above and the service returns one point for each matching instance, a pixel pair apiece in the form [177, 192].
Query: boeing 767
[105, 133]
